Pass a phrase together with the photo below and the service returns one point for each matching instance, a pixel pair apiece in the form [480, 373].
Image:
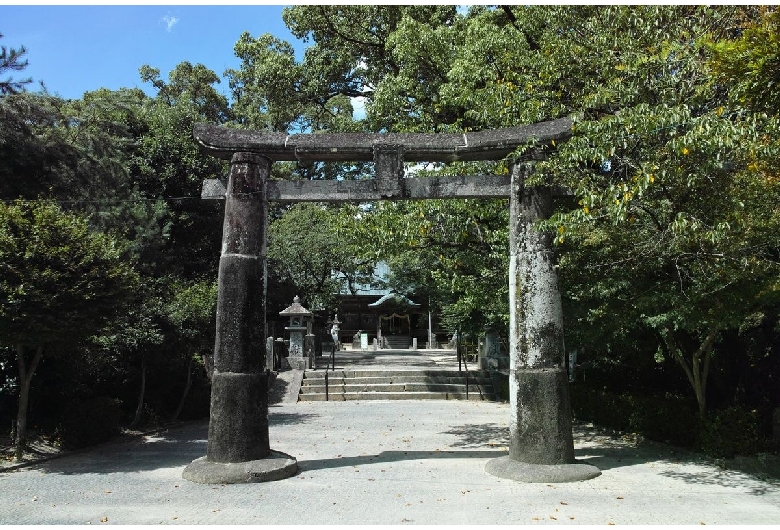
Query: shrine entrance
[394, 324]
[541, 447]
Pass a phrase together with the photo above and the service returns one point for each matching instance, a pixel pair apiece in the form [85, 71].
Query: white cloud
[170, 21]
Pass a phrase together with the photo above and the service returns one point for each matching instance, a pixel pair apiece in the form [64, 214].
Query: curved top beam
[495, 144]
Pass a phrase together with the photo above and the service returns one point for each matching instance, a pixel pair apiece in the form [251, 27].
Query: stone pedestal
[297, 359]
[491, 356]
[238, 446]
[541, 448]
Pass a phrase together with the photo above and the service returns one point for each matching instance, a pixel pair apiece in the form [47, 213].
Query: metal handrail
[466, 366]
[332, 364]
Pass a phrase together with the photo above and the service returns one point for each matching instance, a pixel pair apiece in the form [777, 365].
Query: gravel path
[384, 462]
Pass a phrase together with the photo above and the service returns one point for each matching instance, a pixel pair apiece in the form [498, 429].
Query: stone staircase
[367, 384]
[397, 342]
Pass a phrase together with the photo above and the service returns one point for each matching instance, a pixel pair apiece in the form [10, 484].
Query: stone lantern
[301, 350]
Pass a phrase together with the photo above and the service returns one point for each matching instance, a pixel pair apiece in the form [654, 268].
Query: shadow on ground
[480, 435]
[389, 457]
[166, 449]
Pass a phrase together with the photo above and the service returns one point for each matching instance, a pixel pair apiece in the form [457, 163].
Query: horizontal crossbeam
[465, 187]
[494, 144]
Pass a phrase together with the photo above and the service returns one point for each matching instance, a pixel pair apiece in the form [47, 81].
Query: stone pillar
[309, 350]
[270, 361]
[541, 447]
[238, 447]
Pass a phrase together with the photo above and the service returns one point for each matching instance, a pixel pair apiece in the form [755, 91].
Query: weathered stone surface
[245, 212]
[485, 145]
[496, 186]
[509, 468]
[540, 422]
[449, 187]
[276, 466]
[536, 316]
[540, 416]
[238, 424]
[213, 189]
[776, 424]
[240, 315]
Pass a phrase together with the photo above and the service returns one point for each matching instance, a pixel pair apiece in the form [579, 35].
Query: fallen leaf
[553, 518]
[565, 503]
[620, 498]
[104, 520]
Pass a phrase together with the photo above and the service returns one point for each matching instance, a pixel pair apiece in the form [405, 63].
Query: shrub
[732, 431]
[661, 418]
[89, 422]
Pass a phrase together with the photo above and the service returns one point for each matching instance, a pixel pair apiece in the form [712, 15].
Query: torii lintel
[388, 151]
[494, 144]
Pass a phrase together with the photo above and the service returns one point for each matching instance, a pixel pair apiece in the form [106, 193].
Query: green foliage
[732, 431]
[89, 422]
[660, 418]
[59, 281]
[171, 166]
[265, 87]
[310, 247]
[11, 60]
[750, 64]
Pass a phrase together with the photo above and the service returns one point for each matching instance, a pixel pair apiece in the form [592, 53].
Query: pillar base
[506, 467]
[276, 466]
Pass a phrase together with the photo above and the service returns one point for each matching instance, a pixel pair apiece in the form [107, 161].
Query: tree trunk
[698, 369]
[140, 408]
[187, 386]
[25, 378]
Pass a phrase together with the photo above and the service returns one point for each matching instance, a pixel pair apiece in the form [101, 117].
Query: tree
[668, 227]
[11, 60]
[191, 310]
[171, 168]
[750, 64]
[353, 55]
[308, 247]
[59, 282]
[669, 169]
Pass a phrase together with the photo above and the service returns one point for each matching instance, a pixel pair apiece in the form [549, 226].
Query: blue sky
[75, 49]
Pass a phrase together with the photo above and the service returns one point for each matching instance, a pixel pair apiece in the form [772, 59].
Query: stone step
[350, 396]
[397, 380]
[314, 374]
[398, 342]
[396, 387]
[395, 384]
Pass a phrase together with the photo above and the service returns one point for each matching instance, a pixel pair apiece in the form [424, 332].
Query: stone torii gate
[541, 447]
